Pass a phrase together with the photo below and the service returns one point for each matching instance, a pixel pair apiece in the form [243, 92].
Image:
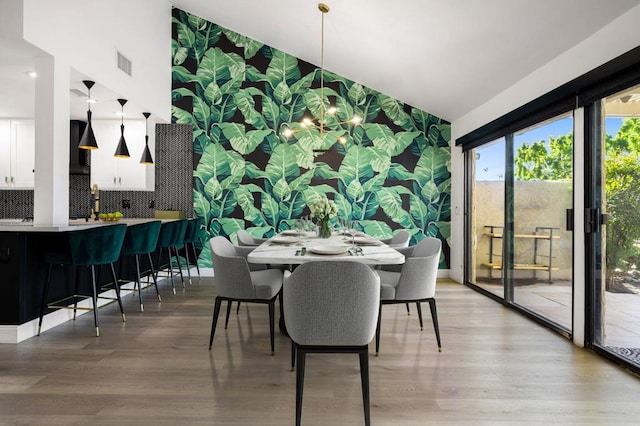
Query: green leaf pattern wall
[239, 95]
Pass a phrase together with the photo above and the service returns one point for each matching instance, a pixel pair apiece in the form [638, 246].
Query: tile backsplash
[16, 204]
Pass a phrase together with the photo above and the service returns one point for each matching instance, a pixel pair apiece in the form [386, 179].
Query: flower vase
[324, 231]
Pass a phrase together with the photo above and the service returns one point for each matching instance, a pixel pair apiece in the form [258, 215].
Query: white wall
[11, 19]
[611, 41]
[86, 34]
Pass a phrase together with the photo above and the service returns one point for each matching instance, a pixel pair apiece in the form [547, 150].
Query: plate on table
[359, 233]
[292, 232]
[328, 249]
[284, 239]
[366, 241]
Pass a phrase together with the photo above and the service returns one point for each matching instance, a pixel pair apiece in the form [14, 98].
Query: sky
[490, 164]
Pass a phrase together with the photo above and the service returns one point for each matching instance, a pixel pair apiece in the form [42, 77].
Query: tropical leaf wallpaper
[240, 95]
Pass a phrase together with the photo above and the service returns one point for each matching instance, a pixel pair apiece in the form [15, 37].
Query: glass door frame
[508, 239]
[594, 246]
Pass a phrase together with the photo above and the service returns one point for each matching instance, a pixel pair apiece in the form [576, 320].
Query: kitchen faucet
[95, 197]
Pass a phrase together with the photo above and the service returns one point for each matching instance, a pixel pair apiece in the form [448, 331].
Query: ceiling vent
[124, 63]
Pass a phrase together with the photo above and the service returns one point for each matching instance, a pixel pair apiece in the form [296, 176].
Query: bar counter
[23, 272]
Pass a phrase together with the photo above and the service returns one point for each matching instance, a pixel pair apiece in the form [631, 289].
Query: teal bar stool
[190, 239]
[171, 237]
[139, 240]
[88, 247]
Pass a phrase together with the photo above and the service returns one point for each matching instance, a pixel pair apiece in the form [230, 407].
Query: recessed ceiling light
[32, 74]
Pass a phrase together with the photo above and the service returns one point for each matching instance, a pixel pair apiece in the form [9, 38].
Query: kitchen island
[23, 272]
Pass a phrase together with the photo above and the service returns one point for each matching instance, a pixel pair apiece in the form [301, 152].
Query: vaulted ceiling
[445, 57]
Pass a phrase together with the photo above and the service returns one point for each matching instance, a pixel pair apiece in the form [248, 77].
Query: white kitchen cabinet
[17, 151]
[109, 172]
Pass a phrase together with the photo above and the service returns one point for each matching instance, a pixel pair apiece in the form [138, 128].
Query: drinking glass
[352, 229]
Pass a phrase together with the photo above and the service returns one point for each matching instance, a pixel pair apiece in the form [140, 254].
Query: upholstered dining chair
[331, 307]
[401, 239]
[235, 282]
[416, 282]
[248, 240]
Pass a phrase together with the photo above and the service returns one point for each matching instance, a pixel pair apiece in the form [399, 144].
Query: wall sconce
[88, 139]
[121, 150]
[146, 154]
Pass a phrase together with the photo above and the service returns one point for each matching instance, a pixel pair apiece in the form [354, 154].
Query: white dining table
[295, 248]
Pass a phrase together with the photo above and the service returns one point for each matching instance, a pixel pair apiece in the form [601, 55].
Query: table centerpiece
[322, 210]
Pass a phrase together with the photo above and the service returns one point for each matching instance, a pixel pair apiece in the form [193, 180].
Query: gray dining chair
[416, 282]
[248, 240]
[234, 281]
[331, 307]
[401, 239]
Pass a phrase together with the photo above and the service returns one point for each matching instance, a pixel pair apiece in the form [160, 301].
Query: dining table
[294, 247]
[297, 247]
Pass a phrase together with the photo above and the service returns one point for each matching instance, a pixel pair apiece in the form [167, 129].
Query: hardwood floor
[496, 368]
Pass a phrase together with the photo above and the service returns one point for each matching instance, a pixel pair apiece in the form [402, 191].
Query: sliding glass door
[543, 194]
[488, 216]
[617, 301]
[521, 192]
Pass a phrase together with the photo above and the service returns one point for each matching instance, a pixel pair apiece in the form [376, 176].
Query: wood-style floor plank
[496, 368]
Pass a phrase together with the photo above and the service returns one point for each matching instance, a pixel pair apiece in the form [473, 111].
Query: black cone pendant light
[122, 151]
[146, 154]
[88, 140]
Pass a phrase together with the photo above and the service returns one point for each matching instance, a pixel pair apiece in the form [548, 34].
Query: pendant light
[319, 123]
[88, 139]
[146, 154]
[121, 150]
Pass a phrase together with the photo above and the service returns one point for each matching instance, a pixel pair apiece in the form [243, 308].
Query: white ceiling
[445, 57]
[17, 88]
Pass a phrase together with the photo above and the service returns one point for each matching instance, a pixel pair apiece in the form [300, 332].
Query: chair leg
[378, 329]
[153, 276]
[175, 249]
[419, 314]
[95, 300]
[173, 286]
[364, 378]
[45, 291]
[300, 357]
[76, 284]
[408, 311]
[139, 282]
[238, 308]
[186, 256]
[281, 324]
[293, 355]
[272, 308]
[117, 288]
[216, 312]
[434, 317]
[195, 255]
[226, 320]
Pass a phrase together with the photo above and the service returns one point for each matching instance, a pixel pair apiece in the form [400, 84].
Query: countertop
[17, 225]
